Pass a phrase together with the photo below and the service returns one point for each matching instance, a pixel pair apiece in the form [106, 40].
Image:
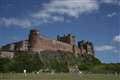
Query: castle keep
[37, 43]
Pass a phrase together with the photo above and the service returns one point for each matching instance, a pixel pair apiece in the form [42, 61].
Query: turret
[33, 38]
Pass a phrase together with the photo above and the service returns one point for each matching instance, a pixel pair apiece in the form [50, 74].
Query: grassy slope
[57, 61]
[58, 76]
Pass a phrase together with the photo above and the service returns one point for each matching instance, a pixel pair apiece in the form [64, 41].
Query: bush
[30, 62]
[4, 64]
[106, 68]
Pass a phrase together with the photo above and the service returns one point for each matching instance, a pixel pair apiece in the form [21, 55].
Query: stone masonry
[37, 43]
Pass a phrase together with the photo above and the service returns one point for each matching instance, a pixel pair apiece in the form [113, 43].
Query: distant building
[37, 43]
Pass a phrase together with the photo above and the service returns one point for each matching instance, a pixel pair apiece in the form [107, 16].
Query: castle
[37, 43]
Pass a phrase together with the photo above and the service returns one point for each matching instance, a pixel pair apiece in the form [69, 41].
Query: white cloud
[15, 22]
[57, 9]
[112, 14]
[113, 47]
[110, 1]
[70, 8]
[104, 48]
[116, 39]
[117, 51]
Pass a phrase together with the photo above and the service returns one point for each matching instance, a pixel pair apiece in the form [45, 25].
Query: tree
[28, 61]
[4, 64]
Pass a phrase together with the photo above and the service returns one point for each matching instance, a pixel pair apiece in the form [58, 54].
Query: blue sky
[94, 20]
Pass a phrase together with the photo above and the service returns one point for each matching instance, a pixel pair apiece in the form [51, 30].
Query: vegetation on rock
[58, 61]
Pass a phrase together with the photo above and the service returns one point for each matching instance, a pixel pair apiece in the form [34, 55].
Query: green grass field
[58, 76]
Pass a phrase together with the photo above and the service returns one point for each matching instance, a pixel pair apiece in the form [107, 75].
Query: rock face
[37, 43]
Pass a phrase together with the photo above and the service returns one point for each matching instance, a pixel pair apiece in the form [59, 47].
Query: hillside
[58, 61]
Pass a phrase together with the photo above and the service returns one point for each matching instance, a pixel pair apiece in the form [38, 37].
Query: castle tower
[33, 38]
[86, 47]
[70, 39]
[90, 49]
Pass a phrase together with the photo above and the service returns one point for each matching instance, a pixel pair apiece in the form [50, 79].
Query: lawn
[58, 76]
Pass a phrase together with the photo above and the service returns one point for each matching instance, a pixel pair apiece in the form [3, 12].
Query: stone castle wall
[44, 44]
[38, 43]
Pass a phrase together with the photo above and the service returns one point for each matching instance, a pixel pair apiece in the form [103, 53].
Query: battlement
[70, 39]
